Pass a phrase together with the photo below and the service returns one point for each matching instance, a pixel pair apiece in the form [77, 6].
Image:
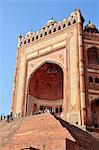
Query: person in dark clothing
[1, 117]
[11, 116]
[8, 118]
[4, 117]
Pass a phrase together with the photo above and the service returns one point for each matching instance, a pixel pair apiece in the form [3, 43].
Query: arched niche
[95, 113]
[93, 56]
[45, 88]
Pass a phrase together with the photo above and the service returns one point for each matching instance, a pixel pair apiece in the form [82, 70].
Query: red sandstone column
[81, 68]
[38, 107]
[27, 105]
[15, 84]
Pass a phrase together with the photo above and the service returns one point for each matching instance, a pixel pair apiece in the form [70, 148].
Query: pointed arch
[93, 56]
[45, 84]
[39, 65]
[95, 112]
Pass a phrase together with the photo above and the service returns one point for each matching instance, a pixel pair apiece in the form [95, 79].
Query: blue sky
[20, 16]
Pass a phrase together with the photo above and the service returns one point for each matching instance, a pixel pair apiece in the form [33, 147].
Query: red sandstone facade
[58, 67]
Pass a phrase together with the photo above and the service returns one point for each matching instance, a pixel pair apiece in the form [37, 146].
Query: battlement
[91, 36]
[51, 27]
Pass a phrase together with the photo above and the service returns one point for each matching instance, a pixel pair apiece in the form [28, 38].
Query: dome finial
[52, 18]
[89, 21]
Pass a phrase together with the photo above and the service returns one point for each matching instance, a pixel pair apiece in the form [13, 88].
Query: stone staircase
[2, 124]
[42, 131]
[82, 138]
[96, 135]
[7, 130]
[94, 132]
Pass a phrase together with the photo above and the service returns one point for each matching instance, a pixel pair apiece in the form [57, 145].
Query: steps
[96, 135]
[7, 130]
[44, 132]
[2, 124]
[39, 131]
[94, 132]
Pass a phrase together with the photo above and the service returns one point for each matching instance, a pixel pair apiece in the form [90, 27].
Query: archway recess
[95, 113]
[46, 89]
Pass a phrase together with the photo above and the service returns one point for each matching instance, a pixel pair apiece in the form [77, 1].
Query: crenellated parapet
[50, 28]
[91, 36]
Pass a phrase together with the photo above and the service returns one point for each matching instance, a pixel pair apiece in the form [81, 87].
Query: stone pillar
[53, 109]
[81, 73]
[15, 85]
[73, 114]
[38, 107]
[65, 85]
[29, 105]
[21, 79]
[64, 105]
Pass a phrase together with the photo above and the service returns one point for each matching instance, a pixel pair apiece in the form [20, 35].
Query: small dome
[28, 33]
[90, 27]
[51, 21]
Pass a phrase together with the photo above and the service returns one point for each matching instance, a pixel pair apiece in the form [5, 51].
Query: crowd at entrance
[51, 110]
[42, 109]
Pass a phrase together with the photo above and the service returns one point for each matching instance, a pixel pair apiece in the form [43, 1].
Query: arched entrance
[95, 113]
[46, 89]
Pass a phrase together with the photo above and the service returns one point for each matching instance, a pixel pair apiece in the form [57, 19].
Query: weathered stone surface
[73, 92]
[43, 131]
[38, 131]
